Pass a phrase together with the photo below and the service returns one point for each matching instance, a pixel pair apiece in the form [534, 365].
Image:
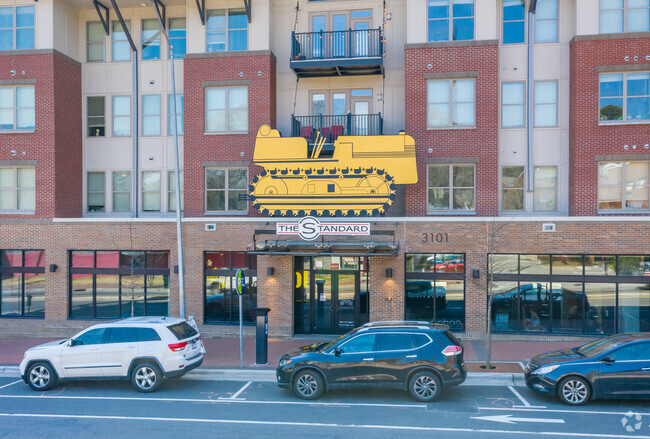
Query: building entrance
[331, 294]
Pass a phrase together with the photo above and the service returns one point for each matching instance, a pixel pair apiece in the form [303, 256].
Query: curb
[268, 376]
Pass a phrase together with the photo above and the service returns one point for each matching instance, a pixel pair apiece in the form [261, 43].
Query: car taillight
[452, 350]
[175, 347]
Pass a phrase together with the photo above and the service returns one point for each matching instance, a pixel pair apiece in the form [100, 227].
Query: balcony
[337, 53]
[333, 126]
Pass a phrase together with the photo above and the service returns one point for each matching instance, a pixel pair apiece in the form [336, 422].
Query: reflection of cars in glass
[423, 291]
[416, 356]
[453, 266]
[614, 367]
[221, 300]
[532, 300]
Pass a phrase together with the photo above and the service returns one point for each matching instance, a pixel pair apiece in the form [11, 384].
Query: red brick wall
[56, 142]
[201, 148]
[586, 138]
[480, 142]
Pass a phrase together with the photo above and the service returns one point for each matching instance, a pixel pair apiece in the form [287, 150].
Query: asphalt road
[230, 409]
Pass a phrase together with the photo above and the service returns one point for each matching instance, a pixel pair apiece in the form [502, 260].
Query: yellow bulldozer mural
[358, 176]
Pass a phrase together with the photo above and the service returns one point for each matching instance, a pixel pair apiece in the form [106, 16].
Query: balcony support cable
[247, 5]
[104, 15]
[200, 5]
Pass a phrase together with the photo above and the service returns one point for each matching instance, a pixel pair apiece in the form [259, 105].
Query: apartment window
[226, 109]
[171, 191]
[450, 20]
[178, 36]
[546, 103]
[22, 285]
[96, 119]
[17, 28]
[122, 191]
[118, 284]
[121, 48]
[450, 103]
[625, 97]
[95, 40]
[151, 191]
[512, 188]
[513, 105]
[545, 199]
[17, 108]
[121, 116]
[223, 187]
[227, 29]
[514, 21]
[451, 188]
[180, 111]
[151, 115]
[623, 186]
[96, 186]
[624, 16]
[546, 18]
[18, 189]
[150, 39]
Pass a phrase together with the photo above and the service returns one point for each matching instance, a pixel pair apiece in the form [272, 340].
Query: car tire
[425, 386]
[146, 377]
[574, 391]
[41, 376]
[308, 384]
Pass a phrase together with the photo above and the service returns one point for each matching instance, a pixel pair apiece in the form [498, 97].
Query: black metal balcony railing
[349, 43]
[333, 126]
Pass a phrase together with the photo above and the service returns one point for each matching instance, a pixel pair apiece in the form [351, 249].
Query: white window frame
[556, 19]
[151, 116]
[545, 104]
[124, 41]
[88, 116]
[226, 29]
[90, 43]
[113, 191]
[226, 189]
[14, 26]
[450, 18]
[504, 21]
[523, 104]
[15, 108]
[171, 190]
[503, 189]
[142, 40]
[622, 186]
[88, 192]
[227, 110]
[173, 39]
[452, 104]
[113, 116]
[450, 209]
[180, 114]
[624, 12]
[537, 188]
[624, 97]
[143, 192]
[16, 189]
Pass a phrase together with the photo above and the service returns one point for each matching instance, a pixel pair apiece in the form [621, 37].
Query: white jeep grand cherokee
[145, 350]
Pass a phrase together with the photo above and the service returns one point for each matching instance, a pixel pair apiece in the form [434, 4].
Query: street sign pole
[239, 280]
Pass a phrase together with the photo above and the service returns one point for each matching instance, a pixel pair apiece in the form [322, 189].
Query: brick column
[276, 292]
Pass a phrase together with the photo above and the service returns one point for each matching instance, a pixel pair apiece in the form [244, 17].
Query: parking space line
[547, 410]
[523, 400]
[11, 384]
[234, 396]
[214, 401]
[320, 424]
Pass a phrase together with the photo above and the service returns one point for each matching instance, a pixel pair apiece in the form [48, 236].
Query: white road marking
[319, 424]
[225, 400]
[11, 384]
[508, 419]
[523, 367]
[535, 409]
[525, 403]
[234, 396]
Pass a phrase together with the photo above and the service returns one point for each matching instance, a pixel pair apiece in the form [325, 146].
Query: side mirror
[608, 359]
[70, 343]
[337, 352]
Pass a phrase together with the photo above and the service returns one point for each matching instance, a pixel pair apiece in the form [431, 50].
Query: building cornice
[28, 52]
[616, 36]
[443, 44]
[234, 53]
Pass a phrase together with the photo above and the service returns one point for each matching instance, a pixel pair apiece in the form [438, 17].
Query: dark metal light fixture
[389, 272]
[476, 274]
[270, 271]
[53, 268]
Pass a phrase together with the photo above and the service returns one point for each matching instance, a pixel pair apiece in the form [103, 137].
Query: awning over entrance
[316, 248]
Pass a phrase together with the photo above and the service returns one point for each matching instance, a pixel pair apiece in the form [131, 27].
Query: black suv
[418, 356]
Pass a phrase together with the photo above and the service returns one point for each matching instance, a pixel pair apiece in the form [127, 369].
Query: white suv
[145, 350]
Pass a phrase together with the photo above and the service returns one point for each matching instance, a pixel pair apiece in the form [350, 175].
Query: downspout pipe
[529, 114]
[134, 177]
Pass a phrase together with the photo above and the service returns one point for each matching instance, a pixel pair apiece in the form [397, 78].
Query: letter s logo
[308, 228]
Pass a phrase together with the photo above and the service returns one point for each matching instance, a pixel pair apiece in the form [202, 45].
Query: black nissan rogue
[420, 357]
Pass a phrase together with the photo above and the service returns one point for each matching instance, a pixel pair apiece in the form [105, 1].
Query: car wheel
[425, 386]
[146, 377]
[41, 376]
[308, 385]
[574, 391]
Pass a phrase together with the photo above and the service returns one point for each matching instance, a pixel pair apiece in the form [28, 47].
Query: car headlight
[284, 362]
[544, 370]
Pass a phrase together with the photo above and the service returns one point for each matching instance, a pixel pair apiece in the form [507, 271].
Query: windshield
[599, 346]
[325, 346]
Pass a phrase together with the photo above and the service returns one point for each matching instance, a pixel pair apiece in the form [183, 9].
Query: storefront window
[22, 283]
[600, 265]
[634, 307]
[505, 306]
[534, 264]
[567, 264]
[119, 284]
[435, 288]
[221, 298]
[568, 304]
[600, 306]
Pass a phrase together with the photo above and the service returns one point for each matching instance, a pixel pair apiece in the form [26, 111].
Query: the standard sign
[309, 228]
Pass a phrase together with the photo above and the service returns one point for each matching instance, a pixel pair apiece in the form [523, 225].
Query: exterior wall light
[389, 272]
[270, 271]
